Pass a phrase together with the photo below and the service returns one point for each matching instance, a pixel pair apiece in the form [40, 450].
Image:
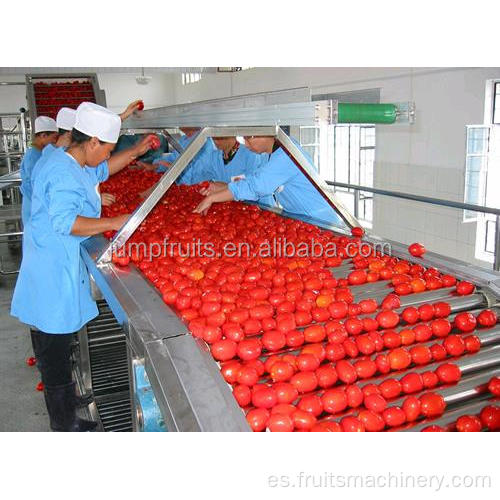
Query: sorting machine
[148, 373]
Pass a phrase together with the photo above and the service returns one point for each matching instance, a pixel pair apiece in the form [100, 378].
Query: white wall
[426, 158]
[121, 89]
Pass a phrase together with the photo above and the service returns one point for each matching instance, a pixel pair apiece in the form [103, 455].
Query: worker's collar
[227, 158]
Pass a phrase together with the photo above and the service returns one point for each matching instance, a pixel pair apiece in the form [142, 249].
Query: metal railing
[433, 201]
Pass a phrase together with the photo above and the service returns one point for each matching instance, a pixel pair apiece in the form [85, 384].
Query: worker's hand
[149, 167]
[130, 109]
[213, 187]
[204, 206]
[145, 194]
[143, 146]
[118, 221]
[166, 164]
[107, 199]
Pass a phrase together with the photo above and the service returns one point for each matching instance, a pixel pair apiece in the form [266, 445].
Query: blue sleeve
[265, 180]
[65, 202]
[102, 171]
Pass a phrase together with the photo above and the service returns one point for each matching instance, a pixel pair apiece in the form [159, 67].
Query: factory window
[344, 153]
[476, 165]
[190, 78]
[496, 103]
[309, 140]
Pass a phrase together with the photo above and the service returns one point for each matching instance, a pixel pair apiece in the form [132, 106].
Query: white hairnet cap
[45, 124]
[66, 118]
[96, 121]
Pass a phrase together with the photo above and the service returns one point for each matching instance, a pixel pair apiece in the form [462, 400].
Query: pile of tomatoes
[296, 348]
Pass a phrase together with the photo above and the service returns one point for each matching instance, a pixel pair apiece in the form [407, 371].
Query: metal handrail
[433, 201]
[416, 197]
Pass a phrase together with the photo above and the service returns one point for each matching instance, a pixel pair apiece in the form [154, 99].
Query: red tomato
[40, 386]
[454, 345]
[372, 421]
[121, 261]
[233, 331]
[394, 416]
[392, 301]
[346, 372]
[140, 105]
[280, 423]
[307, 362]
[324, 300]
[230, 371]
[249, 349]
[317, 350]
[212, 334]
[494, 386]
[403, 289]
[303, 420]
[433, 404]
[426, 312]
[370, 389]
[416, 249]
[468, 423]
[421, 355]
[448, 373]
[387, 319]
[383, 365]
[314, 333]
[422, 332]
[223, 350]
[390, 388]
[365, 368]
[283, 409]
[465, 288]
[369, 324]
[281, 371]
[357, 232]
[334, 352]
[311, 404]
[465, 322]
[411, 407]
[354, 396]
[243, 395]
[433, 428]
[438, 352]
[31, 361]
[264, 398]
[472, 343]
[487, 318]
[238, 316]
[375, 403]
[448, 280]
[286, 393]
[368, 306]
[354, 326]
[285, 322]
[334, 401]
[247, 375]
[327, 376]
[410, 315]
[257, 419]
[490, 417]
[440, 327]
[430, 379]
[295, 338]
[257, 364]
[399, 359]
[442, 309]
[357, 277]
[273, 340]
[412, 382]
[352, 424]
[327, 427]
[304, 382]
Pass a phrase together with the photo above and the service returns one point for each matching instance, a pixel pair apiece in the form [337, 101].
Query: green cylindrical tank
[366, 113]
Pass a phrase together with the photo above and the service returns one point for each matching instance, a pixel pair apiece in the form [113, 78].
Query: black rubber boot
[61, 405]
[84, 400]
[35, 343]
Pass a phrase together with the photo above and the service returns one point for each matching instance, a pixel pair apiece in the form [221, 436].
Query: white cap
[96, 121]
[66, 118]
[45, 124]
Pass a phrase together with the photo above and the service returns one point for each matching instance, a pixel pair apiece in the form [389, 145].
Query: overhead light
[143, 80]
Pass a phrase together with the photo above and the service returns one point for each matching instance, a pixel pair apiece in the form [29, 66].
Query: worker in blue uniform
[279, 177]
[53, 288]
[45, 133]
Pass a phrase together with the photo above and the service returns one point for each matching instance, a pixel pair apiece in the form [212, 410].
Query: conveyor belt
[109, 370]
